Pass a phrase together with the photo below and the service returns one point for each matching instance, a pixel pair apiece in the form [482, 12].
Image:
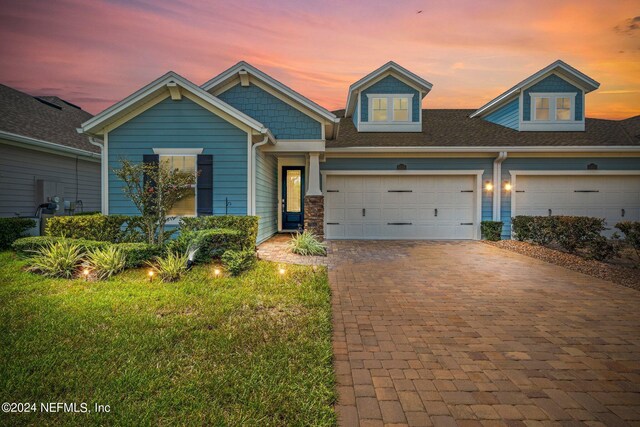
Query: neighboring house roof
[390, 67]
[454, 128]
[632, 126]
[558, 67]
[45, 119]
[232, 73]
[170, 84]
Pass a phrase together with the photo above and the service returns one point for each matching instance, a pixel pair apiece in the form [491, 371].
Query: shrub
[211, 243]
[238, 261]
[105, 262]
[573, 232]
[58, 259]
[103, 228]
[11, 229]
[631, 231]
[521, 226]
[246, 225]
[601, 249]
[306, 243]
[29, 245]
[491, 230]
[137, 254]
[171, 267]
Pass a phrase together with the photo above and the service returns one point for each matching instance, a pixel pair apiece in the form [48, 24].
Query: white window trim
[390, 97]
[183, 152]
[552, 107]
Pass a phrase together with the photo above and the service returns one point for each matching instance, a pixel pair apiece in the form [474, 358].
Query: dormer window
[390, 108]
[553, 107]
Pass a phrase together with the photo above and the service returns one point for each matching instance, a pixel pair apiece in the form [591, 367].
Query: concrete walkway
[463, 333]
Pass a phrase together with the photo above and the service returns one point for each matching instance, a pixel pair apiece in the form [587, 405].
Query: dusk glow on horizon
[94, 53]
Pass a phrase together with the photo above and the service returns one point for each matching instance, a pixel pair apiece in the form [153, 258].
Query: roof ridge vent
[45, 102]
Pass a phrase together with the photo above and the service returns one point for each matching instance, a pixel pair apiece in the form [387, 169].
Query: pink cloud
[95, 53]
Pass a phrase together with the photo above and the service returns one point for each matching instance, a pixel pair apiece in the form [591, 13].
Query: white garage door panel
[595, 196]
[400, 207]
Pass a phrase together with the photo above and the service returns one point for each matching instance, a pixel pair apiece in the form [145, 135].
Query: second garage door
[400, 207]
[614, 198]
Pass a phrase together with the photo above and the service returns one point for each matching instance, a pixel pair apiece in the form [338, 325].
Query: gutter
[497, 177]
[49, 145]
[485, 149]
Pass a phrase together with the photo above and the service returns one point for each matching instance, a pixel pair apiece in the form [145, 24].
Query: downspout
[497, 190]
[103, 173]
[254, 173]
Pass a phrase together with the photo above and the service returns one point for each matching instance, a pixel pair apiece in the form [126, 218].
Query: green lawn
[254, 350]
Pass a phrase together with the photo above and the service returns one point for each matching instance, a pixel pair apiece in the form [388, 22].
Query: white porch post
[314, 175]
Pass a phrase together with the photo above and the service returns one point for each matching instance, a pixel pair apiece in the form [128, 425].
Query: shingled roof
[46, 118]
[454, 128]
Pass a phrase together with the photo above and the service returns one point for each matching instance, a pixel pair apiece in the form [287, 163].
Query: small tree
[154, 189]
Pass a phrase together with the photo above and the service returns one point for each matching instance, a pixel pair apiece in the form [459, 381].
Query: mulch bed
[625, 276]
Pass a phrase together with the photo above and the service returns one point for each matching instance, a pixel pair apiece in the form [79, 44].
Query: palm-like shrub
[58, 259]
[171, 267]
[306, 243]
[106, 262]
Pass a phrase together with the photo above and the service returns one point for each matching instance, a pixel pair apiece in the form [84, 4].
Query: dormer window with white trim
[390, 108]
[552, 108]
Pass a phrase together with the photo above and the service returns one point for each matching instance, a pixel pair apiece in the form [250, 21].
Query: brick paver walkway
[463, 333]
[276, 249]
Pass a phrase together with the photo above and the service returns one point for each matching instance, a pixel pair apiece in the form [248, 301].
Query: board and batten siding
[283, 120]
[431, 165]
[183, 124]
[20, 168]
[390, 85]
[507, 116]
[551, 84]
[266, 195]
[551, 164]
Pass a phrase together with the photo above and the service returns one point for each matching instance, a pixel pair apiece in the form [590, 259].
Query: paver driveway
[435, 333]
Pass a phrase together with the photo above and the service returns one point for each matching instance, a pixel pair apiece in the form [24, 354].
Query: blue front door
[292, 197]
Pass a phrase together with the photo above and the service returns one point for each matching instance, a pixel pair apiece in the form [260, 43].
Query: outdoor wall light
[488, 186]
[507, 186]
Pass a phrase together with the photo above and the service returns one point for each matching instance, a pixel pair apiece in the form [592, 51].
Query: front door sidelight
[292, 197]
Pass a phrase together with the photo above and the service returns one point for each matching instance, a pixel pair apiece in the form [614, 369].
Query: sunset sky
[94, 53]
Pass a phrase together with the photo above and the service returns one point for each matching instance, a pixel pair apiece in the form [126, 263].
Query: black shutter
[205, 184]
[152, 159]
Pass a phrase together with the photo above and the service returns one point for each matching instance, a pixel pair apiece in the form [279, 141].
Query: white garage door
[400, 207]
[615, 198]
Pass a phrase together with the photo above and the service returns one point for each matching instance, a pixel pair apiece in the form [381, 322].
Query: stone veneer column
[314, 215]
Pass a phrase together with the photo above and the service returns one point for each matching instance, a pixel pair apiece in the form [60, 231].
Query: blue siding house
[384, 167]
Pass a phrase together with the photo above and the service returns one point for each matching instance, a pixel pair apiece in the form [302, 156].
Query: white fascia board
[256, 73]
[423, 85]
[296, 146]
[110, 114]
[49, 146]
[573, 172]
[586, 82]
[526, 149]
